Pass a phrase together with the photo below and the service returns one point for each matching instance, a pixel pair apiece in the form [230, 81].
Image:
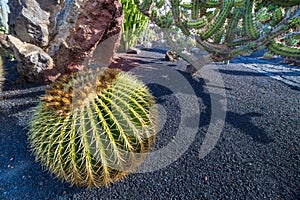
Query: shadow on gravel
[244, 124]
[156, 50]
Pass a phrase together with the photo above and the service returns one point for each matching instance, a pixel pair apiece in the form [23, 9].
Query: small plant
[92, 129]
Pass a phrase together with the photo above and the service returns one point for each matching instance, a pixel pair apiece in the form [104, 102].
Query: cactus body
[93, 134]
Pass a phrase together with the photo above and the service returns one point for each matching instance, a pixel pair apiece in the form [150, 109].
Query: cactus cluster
[228, 28]
[134, 25]
[92, 128]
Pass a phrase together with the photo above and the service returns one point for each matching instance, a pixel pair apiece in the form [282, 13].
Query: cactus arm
[228, 4]
[183, 27]
[285, 3]
[145, 6]
[196, 23]
[239, 41]
[212, 4]
[249, 22]
[263, 15]
[219, 35]
[195, 9]
[291, 20]
[159, 3]
[213, 48]
[187, 6]
[237, 15]
[238, 3]
[175, 10]
[281, 49]
[292, 39]
[277, 16]
[211, 15]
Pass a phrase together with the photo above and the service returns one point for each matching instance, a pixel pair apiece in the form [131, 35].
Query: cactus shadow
[243, 123]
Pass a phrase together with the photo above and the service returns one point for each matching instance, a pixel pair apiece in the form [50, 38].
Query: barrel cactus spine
[93, 129]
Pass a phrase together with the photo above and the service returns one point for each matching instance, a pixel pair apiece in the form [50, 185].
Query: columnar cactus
[135, 23]
[228, 28]
[91, 129]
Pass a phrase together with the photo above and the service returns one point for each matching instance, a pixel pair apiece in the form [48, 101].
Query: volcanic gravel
[256, 156]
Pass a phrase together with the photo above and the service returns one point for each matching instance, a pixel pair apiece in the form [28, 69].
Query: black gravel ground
[257, 155]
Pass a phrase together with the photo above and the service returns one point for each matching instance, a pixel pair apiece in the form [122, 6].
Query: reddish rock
[98, 21]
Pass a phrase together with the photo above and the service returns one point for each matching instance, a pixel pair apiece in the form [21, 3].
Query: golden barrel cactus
[93, 128]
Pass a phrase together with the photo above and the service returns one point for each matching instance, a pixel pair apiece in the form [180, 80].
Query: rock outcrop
[33, 60]
[97, 22]
[28, 22]
[50, 38]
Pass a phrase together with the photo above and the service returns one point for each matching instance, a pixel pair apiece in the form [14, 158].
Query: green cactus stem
[285, 2]
[231, 31]
[249, 21]
[91, 129]
[286, 51]
[134, 25]
[219, 21]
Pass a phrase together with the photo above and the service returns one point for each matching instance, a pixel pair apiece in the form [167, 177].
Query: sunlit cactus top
[227, 28]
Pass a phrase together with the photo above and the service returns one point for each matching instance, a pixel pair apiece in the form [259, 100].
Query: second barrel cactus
[91, 129]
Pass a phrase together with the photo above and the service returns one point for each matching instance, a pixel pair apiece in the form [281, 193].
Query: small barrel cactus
[92, 128]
